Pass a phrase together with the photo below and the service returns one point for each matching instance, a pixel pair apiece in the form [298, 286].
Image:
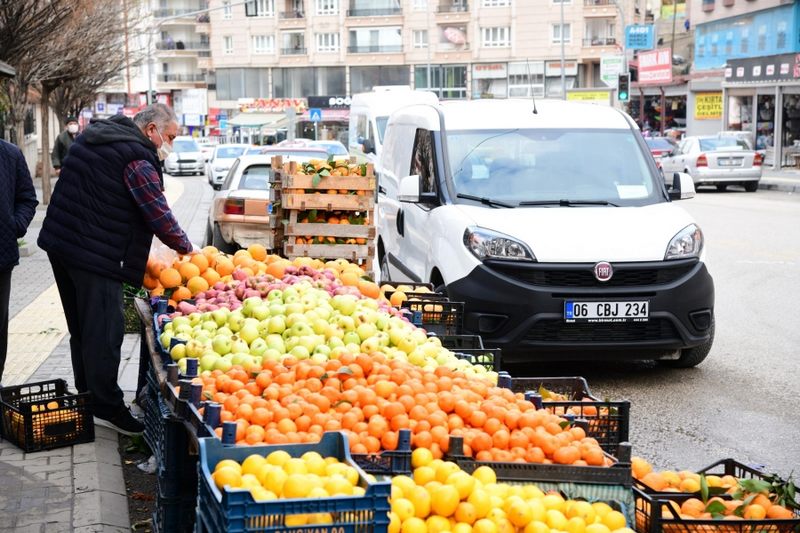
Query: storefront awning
[257, 120]
[7, 70]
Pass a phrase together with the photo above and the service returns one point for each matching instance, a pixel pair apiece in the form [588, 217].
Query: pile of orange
[372, 399]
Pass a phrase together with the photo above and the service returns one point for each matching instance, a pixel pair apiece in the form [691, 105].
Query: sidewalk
[785, 180]
[79, 488]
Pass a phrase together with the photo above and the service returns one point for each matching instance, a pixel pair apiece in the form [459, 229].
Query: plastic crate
[456, 342]
[45, 415]
[650, 518]
[440, 317]
[490, 358]
[235, 510]
[175, 514]
[391, 462]
[607, 421]
[164, 433]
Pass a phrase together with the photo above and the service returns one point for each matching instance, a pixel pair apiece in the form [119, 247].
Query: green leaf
[312, 216]
[345, 370]
[324, 172]
[316, 179]
[703, 488]
[363, 169]
[544, 393]
[715, 507]
[330, 159]
[755, 485]
[564, 424]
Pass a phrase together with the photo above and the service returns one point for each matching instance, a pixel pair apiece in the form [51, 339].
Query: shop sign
[600, 96]
[765, 69]
[329, 102]
[553, 68]
[271, 105]
[192, 119]
[655, 67]
[489, 71]
[640, 37]
[708, 106]
[610, 69]
[194, 102]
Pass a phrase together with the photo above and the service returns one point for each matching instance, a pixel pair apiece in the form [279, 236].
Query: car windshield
[552, 165]
[659, 143]
[185, 146]
[255, 177]
[722, 143]
[332, 148]
[229, 152]
[301, 156]
[381, 122]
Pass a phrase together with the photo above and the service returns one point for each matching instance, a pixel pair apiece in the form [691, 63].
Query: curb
[783, 187]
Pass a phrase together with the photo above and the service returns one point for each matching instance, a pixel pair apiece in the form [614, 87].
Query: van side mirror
[682, 186]
[369, 146]
[409, 189]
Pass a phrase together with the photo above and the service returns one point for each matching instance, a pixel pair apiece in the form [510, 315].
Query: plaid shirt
[142, 180]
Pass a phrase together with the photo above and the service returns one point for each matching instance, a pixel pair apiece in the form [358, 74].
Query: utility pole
[428, 44]
[563, 74]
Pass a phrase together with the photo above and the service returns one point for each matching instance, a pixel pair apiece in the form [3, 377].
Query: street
[738, 403]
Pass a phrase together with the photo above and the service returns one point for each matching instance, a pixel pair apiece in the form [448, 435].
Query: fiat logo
[603, 271]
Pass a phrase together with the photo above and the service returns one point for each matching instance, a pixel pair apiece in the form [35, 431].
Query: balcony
[181, 78]
[381, 12]
[295, 51]
[183, 11]
[451, 7]
[180, 45]
[291, 15]
[375, 49]
[593, 3]
[599, 41]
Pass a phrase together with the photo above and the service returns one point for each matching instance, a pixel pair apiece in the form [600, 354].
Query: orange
[149, 283]
[188, 271]
[257, 252]
[369, 289]
[181, 293]
[224, 266]
[197, 284]
[200, 261]
[349, 278]
[211, 276]
[169, 278]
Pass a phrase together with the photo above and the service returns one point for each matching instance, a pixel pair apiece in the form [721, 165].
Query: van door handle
[400, 224]
[381, 189]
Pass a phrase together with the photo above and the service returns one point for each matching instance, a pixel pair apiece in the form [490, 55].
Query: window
[714, 47]
[499, 37]
[327, 42]
[263, 44]
[379, 39]
[260, 8]
[496, 3]
[729, 43]
[327, 7]
[235, 83]
[293, 42]
[227, 45]
[744, 43]
[762, 38]
[294, 82]
[420, 5]
[562, 1]
[562, 33]
[227, 12]
[447, 81]
[781, 34]
[524, 78]
[423, 162]
[363, 79]
[420, 38]
[701, 47]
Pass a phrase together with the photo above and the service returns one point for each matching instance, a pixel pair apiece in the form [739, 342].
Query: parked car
[334, 148]
[221, 160]
[555, 257]
[207, 146]
[239, 214]
[186, 158]
[715, 160]
[659, 147]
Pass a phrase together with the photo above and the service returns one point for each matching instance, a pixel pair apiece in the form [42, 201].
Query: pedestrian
[17, 207]
[63, 142]
[97, 233]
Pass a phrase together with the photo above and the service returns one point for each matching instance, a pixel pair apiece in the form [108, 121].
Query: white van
[369, 113]
[552, 224]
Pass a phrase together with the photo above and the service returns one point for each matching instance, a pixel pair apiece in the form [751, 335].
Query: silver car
[715, 160]
[186, 158]
[220, 161]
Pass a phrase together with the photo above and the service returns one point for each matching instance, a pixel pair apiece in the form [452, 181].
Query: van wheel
[750, 186]
[385, 277]
[691, 357]
[721, 187]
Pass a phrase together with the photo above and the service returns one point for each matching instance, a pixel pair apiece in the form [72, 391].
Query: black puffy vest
[92, 222]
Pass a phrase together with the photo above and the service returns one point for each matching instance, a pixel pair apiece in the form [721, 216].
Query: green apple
[223, 363]
[370, 345]
[242, 359]
[182, 365]
[177, 352]
[260, 311]
[319, 358]
[294, 307]
[210, 326]
[335, 342]
[351, 337]
[344, 303]
[277, 309]
[338, 351]
[222, 344]
[417, 357]
[276, 342]
[273, 355]
[275, 295]
[220, 316]
[300, 329]
[249, 331]
[235, 320]
[225, 330]
[366, 330]
[300, 352]
[277, 324]
[258, 346]
[239, 345]
[208, 361]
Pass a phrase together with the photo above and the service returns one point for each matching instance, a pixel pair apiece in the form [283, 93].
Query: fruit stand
[308, 398]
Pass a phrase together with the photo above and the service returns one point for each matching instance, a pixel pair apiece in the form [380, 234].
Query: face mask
[165, 149]
[72, 128]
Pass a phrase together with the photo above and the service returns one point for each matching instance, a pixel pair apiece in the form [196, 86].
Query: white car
[186, 158]
[221, 160]
[719, 160]
[551, 223]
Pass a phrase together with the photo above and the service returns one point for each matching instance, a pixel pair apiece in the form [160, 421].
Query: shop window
[781, 34]
[762, 38]
[765, 123]
[526, 78]
[447, 81]
[708, 5]
[744, 43]
[729, 43]
[714, 47]
[363, 79]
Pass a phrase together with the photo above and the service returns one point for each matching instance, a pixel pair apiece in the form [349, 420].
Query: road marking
[38, 329]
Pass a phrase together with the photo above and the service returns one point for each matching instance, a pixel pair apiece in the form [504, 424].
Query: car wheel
[721, 187]
[385, 277]
[750, 186]
[219, 243]
[208, 239]
[691, 357]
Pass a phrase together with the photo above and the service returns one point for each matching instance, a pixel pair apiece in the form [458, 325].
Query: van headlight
[687, 243]
[486, 244]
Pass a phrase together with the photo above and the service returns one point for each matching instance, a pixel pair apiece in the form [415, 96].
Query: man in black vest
[106, 206]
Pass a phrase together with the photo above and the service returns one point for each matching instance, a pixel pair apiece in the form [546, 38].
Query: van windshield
[548, 166]
[380, 123]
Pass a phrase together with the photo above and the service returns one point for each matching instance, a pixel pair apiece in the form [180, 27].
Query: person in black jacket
[17, 207]
[63, 142]
[106, 206]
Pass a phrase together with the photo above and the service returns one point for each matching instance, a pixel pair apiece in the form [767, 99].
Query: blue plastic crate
[389, 462]
[235, 510]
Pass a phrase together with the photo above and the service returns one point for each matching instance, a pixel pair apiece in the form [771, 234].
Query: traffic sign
[315, 114]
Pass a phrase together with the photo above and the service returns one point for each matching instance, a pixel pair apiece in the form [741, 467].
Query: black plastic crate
[459, 342]
[607, 421]
[390, 462]
[175, 515]
[440, 317]
[45, 415]
[651, 517]
[490, 358]
[164, 433]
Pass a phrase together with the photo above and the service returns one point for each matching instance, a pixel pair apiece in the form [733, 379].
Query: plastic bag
[162, 253]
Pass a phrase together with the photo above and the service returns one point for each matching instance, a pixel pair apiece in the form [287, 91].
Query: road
[739, 402]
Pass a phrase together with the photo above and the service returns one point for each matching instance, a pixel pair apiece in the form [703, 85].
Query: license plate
[634, 311]
[730, 162]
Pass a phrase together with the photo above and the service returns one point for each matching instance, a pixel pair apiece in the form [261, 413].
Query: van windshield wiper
[568, 203]
[484, 200]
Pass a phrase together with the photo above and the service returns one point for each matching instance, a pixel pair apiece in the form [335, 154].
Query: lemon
[230, 463]
[227, 476]
[496, 514]
[424, 474]
[444, 500]
[714, 481]
[413, 525]
[601, 509]
[518, 512]
[461, 527]
[296, 486]
[331, 469]
[295, 466]
[436, 524]
[485, 475]
[463, 482]
[554, 501]
[320, 518]
[404, 483]
[421, 500]
[538, 510]
[556, 520]
[576, 524]
[338, 486]
[465, 512]
[484, 525]
[403, 508]
[272, 478]
[597, 528]
[278, 458]
[582, 510]
[351, 474]
[318, 492]
[394, 522]
[316, 465]
[504, 525]
[531, 492]
[253, 463]
[536, 526]
[614, 520]
[444, 471]
[481, 502]
[421, 457]
[359, 491]
[294, 520]
[260, 494]
[250, 481]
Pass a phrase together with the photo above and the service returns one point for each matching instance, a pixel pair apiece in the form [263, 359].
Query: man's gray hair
[160, 114]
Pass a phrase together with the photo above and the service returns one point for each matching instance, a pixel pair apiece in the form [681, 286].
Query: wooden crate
[294, 228]
[355, 253]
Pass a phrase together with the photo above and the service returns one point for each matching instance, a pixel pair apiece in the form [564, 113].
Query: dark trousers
[5, 294]
[93, 308]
